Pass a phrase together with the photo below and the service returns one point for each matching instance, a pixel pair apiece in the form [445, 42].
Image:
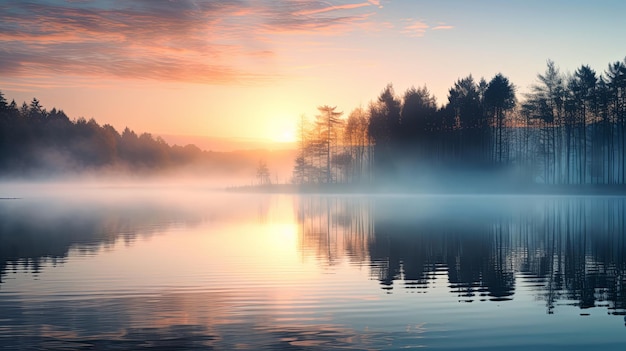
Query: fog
[182, 264]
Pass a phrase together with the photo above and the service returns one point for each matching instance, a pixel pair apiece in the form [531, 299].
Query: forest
[569, 129]
[39, 144]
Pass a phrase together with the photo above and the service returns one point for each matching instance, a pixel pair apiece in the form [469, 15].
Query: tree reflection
[563, 249]
[330, 228]
[33, 235]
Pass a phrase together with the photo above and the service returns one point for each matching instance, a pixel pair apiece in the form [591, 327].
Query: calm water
[126, 268]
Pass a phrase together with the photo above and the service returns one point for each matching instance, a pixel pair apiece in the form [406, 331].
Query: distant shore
[526, 189]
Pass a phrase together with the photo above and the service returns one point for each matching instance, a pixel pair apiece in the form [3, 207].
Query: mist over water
[172, 266]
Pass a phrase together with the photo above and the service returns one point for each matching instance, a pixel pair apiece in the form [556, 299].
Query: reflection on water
[561, 248]
[198, 270]
[35, 233]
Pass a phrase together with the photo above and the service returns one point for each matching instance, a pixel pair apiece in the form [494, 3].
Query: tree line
[36, 142]
[568, 129]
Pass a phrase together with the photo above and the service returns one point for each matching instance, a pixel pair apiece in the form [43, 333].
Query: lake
[187, 268]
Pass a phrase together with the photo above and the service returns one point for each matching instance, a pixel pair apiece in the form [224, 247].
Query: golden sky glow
[249, 69]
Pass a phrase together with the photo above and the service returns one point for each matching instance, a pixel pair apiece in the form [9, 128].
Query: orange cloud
[333, 8]
[182, 40]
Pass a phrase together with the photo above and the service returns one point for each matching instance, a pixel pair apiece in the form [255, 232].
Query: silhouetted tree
[418, 113]
[583, 105]
[464, 100]
[384, 128]
[263, 173]
[616, 86]
[4, 106]
[499, 98]
[546, 103]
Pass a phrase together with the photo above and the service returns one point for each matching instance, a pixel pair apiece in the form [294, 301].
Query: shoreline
[378, 189]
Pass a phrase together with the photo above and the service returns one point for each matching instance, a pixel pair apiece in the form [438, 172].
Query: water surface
[128, 268]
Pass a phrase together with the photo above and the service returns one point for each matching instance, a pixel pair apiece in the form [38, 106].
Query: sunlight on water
[194, 269]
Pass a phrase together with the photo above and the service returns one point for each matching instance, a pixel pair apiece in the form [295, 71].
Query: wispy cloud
[183, 40]
[417, 28]
[146, 39]
[442, 27]
[333, 8]
[314, 17]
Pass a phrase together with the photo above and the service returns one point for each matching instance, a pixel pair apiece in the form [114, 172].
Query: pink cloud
[333, 8]
[442, 27]
[178, 41]
[183, 40]
[417, 29]
[316, 26]
[314, 17]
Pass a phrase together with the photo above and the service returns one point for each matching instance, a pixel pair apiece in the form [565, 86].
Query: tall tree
[356, 139]
[499, 99]
[329, 122]
[418, 112]
[384, 128]
[546, 103]
[418, 120]
[464, 97]
[302, 168]
[3, 103]
[35, 109]
[616, 84]
[583, 98]
[465, 103]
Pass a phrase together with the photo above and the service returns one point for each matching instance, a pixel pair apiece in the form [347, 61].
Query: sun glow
[286, 136]
[281, 127]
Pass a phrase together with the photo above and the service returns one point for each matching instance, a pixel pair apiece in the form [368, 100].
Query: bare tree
[263, 173]
[329, 123]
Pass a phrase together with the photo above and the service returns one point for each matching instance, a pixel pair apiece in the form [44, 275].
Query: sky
[247, 69]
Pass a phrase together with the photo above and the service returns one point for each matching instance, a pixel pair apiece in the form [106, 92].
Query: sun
[281, 129]
[285, 136]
